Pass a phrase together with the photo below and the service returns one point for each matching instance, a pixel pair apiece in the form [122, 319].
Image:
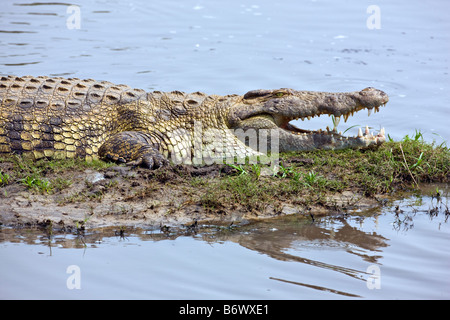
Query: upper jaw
[295, 105]
[306, 105]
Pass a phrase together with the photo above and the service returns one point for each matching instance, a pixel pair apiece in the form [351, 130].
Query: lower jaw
[313, 140]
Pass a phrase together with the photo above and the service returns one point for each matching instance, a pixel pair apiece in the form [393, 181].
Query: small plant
[239, 168]
[41, 185]
[257, 170]
[28, 181]
[356, 125]
[419, 161]
[444, 143]
[80, 225]
[60, 183]
[311, 178]
[283, 172]
[296, 176]
[4, 178]
[436, 194]
[418, 136]
[335, 122]
[390, 139]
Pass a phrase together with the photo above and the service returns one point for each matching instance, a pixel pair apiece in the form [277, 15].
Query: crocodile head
[274, 109]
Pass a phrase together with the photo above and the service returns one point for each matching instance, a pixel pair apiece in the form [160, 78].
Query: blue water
[226, 47]
[286, 258]
[235, 46]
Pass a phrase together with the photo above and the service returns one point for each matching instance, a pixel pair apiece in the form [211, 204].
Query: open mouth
[284, 123]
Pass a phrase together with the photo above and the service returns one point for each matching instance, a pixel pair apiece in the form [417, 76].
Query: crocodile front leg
[133, 148]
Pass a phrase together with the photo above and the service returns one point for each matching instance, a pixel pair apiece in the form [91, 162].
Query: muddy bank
[71, 194]
[132, 197]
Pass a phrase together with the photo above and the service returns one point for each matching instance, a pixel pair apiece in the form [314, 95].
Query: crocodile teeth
[309, 117]
[360, 133]
[367, 131]
[346, 117]
[369, 111]
[382, 133]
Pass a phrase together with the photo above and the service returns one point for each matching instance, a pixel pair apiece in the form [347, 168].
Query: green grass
[4, 179]
[391, 167]
[33, 183]
[34, 174]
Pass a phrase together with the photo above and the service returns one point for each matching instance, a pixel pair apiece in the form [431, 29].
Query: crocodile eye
[279, 94]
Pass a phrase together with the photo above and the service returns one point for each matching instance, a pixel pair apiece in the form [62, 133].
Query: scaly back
[62, 118]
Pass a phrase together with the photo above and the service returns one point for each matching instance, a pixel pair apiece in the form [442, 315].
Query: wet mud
[133, 197]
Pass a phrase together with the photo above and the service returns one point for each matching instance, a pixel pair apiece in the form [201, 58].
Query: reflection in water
[291, 234]
[273, 238]
[437, 206]
[319, 288]
[329, 255]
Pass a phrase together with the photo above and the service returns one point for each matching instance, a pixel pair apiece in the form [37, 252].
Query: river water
[379, 254]
[234, 46]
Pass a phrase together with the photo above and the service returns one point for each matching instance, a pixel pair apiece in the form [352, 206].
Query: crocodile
[54, 117]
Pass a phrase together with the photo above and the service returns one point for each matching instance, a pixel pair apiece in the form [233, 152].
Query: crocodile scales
[66, 118]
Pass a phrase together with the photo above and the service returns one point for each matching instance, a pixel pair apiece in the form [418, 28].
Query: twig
[407, 167]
